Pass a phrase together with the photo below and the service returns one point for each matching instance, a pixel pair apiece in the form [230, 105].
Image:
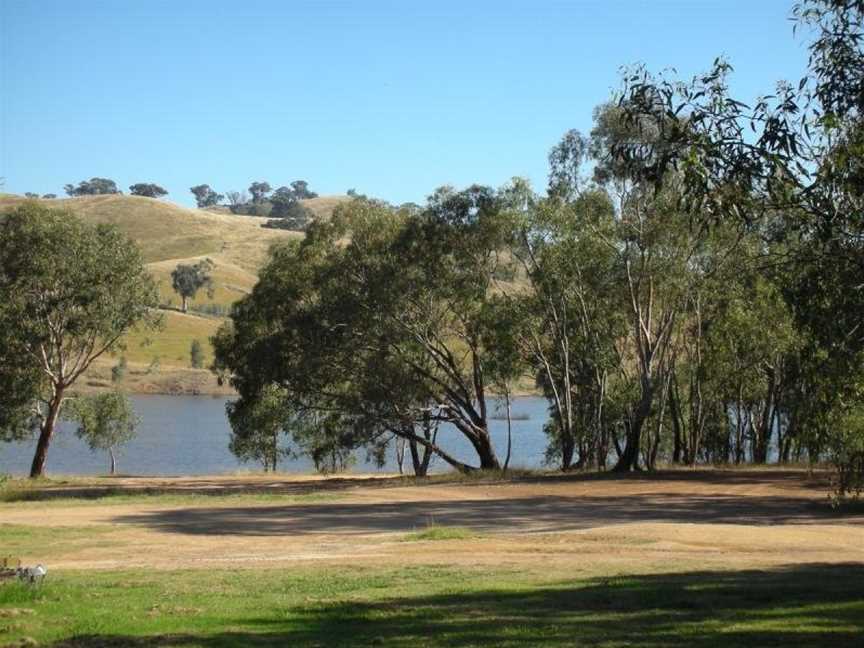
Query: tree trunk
[184, 305]
[46, 432]
[568, 447]
[415, 459]
[629, 459]
[482, 443]
[509, 434]
[113, 461]
[400, 454]
[488, 459]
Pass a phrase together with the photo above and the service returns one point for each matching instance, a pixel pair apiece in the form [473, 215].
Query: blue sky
[390, 98]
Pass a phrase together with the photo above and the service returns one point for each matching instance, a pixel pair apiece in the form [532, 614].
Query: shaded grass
[102, 496]
[65, 492]
[812, 605]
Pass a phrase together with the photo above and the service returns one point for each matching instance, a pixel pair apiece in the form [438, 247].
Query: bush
[118, 371]
[847, 454]
[196, 355]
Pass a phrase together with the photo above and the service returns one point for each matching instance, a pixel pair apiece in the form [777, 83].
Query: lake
[188, 435]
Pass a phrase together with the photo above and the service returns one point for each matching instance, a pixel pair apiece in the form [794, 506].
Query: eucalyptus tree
[70, 292]
[655, 242]
[187, 280]
[565, 323]
[205, 196]
[148, 190]
[104, 421]
[379, 317]
[796, 153]
[20, 380]
[262, 428]
[92, 187]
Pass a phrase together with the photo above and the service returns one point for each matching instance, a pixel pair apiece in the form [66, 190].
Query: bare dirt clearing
[674, 520]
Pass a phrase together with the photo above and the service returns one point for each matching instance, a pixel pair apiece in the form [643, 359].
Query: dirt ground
[579, 524]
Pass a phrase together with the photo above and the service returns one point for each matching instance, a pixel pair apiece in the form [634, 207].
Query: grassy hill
[168, 235]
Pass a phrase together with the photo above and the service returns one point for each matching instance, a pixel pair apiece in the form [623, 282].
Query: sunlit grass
[435, 532]
[436, 606]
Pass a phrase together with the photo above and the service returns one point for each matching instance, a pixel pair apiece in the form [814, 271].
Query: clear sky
[390, 98]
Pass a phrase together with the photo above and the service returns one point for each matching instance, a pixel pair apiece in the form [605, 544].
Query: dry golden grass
[166, 231]
[323, 206]
[231, 282]
[171, 344]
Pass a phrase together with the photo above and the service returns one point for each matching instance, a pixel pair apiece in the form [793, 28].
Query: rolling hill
[169, 235]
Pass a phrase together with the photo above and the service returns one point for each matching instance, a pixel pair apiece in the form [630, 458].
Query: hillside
[168, 235]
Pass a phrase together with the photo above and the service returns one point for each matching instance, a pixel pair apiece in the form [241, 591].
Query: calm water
[188, 435]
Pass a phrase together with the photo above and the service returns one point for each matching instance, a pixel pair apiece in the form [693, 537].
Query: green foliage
[376, 334]
[94, 186]
[291, 217]
[196, 355]
[258, 425]
[148, 190]
[283, 203]
[847, 451]
[154, 366]
[187, 280]
[21, 381]
[118, 371]
[205, 196]
[105, 421]
[259, 191]
[788, 167]
[71, 291]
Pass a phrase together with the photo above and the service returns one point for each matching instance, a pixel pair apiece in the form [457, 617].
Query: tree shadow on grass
[286, 485]
[526, 514]
[809, 605]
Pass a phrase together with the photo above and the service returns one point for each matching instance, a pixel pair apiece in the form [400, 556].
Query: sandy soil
[670, 521]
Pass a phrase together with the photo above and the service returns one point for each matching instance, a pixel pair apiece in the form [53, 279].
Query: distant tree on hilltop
[301, 190]
[259, 191]
[148, 190]
[92, 187]
[49, 196]
[236, 200]
[205, 196]
[285, 199]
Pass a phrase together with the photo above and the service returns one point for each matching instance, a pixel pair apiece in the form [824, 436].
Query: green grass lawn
[431, 606]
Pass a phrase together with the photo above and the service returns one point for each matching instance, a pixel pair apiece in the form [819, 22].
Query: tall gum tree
[70, 292]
